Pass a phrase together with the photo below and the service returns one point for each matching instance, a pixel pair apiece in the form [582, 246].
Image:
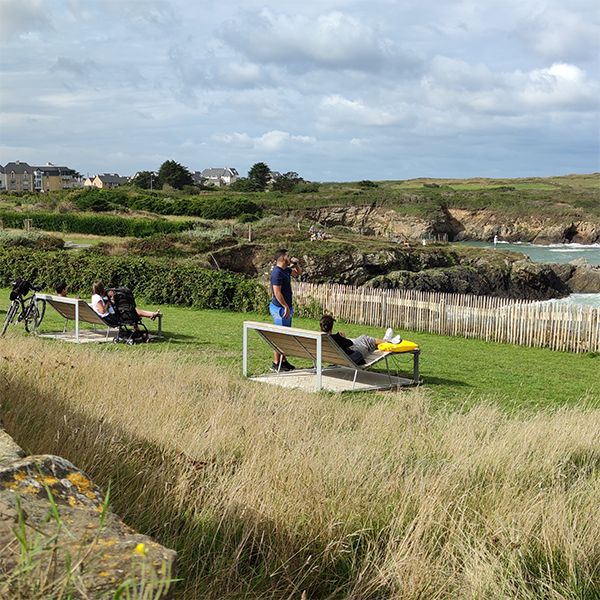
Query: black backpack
[21, 287]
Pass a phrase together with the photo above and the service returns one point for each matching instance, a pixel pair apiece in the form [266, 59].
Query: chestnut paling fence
[525, 322]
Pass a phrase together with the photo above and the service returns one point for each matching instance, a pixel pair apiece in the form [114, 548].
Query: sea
[554, 253]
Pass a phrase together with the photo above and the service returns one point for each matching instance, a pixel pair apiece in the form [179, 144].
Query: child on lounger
[359, 347]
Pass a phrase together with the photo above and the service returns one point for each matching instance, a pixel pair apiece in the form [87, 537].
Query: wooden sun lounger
[316, 346]
[75, 309]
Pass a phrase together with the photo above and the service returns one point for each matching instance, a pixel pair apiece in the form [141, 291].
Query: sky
[333, 90]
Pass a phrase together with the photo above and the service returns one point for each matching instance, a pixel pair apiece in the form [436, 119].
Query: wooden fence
[527, 323]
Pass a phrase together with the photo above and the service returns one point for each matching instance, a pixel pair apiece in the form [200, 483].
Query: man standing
[281, 299]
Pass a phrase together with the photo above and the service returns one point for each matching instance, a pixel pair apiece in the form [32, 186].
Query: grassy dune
[268, 493]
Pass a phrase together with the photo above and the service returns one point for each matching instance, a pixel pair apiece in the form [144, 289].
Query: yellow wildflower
[140, 549]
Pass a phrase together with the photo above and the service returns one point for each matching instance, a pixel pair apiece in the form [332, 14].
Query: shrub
[229, 208]
[95, 224]
[30, 239]
[161, 281]
[247, 218]
[367, 183]
[307, 187]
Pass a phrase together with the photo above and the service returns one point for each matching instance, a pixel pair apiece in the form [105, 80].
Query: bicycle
[28, 309]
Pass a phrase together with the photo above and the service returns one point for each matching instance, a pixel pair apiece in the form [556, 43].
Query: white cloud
[268, 142]
[336, 109]
[19, 17]
[562, 86]
[563, 34]
[333, 40]
[159, 83]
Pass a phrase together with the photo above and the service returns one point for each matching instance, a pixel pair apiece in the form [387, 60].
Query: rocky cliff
[429, 268]
[457, 224]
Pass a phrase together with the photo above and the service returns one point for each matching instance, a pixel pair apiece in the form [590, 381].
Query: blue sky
[337, 91]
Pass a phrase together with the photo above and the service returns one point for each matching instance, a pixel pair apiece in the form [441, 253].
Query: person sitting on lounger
[101, 303]
[61, 289]
[359, 347]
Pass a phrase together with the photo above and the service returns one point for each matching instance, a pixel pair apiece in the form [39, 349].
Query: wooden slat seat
[316, 346]
[77, 310]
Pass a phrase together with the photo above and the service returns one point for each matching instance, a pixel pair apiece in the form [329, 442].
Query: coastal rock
[585, 280]
[62, 515]
[457, 224]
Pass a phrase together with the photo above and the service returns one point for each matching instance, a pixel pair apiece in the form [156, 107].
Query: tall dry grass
[268, 493]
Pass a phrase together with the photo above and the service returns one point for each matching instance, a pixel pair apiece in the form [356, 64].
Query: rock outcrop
[457, 224]
[54, 521]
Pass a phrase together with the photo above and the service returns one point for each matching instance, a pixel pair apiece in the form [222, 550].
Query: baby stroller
[131, 329]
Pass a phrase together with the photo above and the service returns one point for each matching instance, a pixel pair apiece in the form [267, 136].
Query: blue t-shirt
[282, 277]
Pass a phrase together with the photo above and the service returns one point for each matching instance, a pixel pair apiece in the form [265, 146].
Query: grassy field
[557, 198]
[457, 372]
[483, 483]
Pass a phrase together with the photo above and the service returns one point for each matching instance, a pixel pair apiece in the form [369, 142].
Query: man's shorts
[277, 314]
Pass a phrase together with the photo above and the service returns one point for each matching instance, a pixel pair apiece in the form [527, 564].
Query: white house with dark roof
[219, 176]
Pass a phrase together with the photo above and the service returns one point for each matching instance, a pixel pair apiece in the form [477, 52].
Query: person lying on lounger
[359, 347]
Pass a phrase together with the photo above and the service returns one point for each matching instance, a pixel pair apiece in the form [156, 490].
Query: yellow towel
[403, 346]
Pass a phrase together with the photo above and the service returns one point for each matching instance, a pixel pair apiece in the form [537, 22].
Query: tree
[173, 174]
[259, 175]
[144, 179]
[243, 184]
[287, 182]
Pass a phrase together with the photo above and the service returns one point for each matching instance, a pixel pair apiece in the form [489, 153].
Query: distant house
[52, 178]
[219, 176]
[20, 176]
[273, 177]
[107, 181]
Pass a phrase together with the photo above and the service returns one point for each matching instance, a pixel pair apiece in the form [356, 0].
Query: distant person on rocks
[280, 307]
[359, 347]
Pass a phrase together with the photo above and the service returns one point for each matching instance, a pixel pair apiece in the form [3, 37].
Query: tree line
[259, 178]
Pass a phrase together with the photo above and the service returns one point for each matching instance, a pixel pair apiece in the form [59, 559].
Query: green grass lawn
[457, 372]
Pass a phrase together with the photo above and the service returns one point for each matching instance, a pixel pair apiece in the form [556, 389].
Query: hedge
[160, 281]
[95, 224]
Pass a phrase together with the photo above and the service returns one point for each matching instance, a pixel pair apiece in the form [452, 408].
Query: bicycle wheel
[34, 315]
[41, 311]
[10, 316]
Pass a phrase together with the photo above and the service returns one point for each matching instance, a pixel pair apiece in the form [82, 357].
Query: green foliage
[229, 207]
[306, 187]
[259, 174]
[173, 174]
[91, 200]
[144, 180]
[367, 183]
[287, 182]
[95, 224]
[30, 239]
[158, 280]
[243, 184]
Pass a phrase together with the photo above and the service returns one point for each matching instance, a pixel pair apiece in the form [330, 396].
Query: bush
[30, 239]
[159, 281]
[229, 208]
[306, 187]
[367, 183]
[94, 224]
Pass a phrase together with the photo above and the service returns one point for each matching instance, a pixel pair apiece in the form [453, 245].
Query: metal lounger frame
[316, 346]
